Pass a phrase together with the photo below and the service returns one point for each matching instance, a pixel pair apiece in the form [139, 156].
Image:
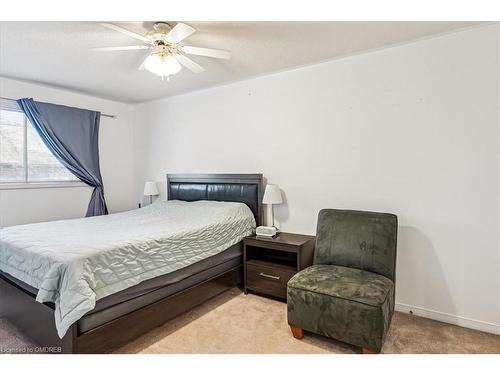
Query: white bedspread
[75, 262]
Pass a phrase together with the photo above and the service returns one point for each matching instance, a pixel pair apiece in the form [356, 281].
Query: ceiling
[57, 53]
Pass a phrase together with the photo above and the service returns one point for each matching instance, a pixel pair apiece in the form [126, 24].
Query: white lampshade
[272, 195]
[150, 188]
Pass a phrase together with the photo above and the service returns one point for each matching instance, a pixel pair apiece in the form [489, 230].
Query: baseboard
[450, 318]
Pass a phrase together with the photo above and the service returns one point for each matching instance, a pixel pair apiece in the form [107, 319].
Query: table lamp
[272, 196]
[150, 189]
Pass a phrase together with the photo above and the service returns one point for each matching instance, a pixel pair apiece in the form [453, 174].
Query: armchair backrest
[357, 239]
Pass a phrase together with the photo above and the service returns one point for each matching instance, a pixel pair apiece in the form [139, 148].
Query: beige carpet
[235, 323]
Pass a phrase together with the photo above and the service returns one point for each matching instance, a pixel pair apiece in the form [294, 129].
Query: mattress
[74, 263]
[152, 290]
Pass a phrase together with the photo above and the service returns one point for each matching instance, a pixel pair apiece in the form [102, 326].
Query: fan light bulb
[162, 64]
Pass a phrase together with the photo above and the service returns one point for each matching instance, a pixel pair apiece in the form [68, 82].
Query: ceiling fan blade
[180, 32]
[125, 31]
[123, 48]
[209, 52]
[188, 63]
[141, 67]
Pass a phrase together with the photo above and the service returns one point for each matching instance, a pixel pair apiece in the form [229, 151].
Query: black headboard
[245, 188]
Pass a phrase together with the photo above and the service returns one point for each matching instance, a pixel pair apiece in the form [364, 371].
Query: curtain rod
[102, 114]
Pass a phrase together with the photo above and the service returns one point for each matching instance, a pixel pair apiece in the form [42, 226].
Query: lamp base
[274, 225]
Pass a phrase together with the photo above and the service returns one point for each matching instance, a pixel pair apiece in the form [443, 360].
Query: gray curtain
[72, 135]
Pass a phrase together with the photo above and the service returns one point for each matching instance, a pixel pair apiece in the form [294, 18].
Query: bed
[162, 266]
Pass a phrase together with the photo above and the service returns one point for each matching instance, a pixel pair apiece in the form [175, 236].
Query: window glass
[24, 157]
[11, 146]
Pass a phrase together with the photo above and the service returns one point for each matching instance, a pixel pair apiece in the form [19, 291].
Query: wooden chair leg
[297, 332]
[368, 351]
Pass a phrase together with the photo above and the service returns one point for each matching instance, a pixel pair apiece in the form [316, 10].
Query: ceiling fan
[167, 55]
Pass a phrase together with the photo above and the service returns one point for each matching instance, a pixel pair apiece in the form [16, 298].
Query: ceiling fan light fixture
[162, 64]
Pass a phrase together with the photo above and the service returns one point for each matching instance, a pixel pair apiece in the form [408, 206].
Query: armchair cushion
[347, 304]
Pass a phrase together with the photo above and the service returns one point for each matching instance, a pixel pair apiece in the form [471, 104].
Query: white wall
[116, 157]
[412, 130]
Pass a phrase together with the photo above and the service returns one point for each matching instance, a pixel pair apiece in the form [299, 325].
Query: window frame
[11, 105]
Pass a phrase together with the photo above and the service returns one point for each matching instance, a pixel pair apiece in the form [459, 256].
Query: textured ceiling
[57, 53]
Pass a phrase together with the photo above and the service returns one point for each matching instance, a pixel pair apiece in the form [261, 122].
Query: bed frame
[36, 320]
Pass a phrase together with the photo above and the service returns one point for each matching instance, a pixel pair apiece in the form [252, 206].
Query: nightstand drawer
[268, 278]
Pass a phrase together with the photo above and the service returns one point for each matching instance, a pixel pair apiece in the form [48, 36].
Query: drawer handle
[269, 276]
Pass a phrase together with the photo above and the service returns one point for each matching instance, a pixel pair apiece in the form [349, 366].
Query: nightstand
[269, 263]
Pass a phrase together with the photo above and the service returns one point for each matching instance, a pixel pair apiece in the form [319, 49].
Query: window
[24, 158]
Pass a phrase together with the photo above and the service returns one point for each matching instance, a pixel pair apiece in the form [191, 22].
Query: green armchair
[348, 292]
